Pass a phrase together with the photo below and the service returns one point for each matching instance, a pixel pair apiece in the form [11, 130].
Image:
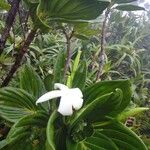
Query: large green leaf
[124, 138]
[99, 109]
[15, 104]
[95, 91]
[31, 82]
[70, 10]
[98, 142]
[129, 7]
[114, 136]
[23, 133]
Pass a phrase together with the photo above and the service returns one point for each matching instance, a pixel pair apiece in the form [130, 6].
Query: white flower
[70, 98]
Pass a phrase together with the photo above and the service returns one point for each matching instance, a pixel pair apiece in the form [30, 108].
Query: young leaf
[74, 69]
[132, 112]
[96, 90]
[80, 76]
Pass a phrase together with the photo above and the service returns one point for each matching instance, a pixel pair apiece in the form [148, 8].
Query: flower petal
[49, 95]
[60, 86]
[65, 106]
[75, 92]
[77, 103]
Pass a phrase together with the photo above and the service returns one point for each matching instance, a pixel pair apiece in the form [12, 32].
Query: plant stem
[69, 52]
[23, 50]
[102, 47]
[9, 23]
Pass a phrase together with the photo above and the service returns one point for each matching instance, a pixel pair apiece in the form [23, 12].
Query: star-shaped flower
[69, 98]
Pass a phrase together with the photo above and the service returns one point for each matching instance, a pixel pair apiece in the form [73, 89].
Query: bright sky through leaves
[145, 4]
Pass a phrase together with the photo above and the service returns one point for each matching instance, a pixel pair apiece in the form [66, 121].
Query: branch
[23, 50]
[9, 23]
[69, 52]
[102, 47]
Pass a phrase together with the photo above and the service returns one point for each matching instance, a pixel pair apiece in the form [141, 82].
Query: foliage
[92, 127]
[124, 91]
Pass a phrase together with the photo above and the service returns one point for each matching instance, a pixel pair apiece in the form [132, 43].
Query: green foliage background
[122, 93]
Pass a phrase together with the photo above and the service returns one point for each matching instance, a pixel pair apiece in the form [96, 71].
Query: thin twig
[102, 47]
[69, 52]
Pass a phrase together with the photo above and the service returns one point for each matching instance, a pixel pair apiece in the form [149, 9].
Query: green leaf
[59, 142]
[80, 76]
[14, 136]
[59, 68]
[31, 82]
[86, 30]
[98, 141]
[78, 73]
[4, 5]
[27, 130]
[39, 118]
[131, 113]
[76, 64]
[81, 37]
[129, 7]
[70, 144]
[50, 131]
[32, 6]
[124, 138]
[3, 143]
[74, 69]
[69, 10]
[103, 87]
[48, 82]
[15, 104]
[99, 109]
